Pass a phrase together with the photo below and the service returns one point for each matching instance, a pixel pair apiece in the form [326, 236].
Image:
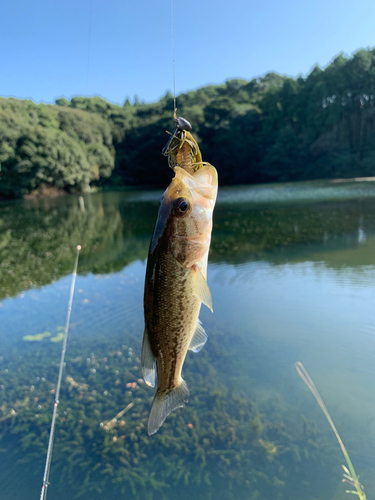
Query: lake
[292, 276]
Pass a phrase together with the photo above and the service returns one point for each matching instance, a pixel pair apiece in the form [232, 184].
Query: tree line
[273, 128]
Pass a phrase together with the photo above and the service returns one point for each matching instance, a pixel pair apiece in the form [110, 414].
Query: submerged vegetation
[273, 128]
[40, 336]
[220, 444]
[36, 338]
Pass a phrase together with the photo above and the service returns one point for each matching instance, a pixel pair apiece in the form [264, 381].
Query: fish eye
[181, 206]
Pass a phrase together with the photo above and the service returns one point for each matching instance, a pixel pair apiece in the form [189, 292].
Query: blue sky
[46, 51]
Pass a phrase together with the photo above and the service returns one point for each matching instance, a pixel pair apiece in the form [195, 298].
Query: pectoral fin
[202, 290]
[199, 338]
[148, 361]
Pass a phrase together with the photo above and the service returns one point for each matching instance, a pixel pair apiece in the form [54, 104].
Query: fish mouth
[206, 174]
[203, 181]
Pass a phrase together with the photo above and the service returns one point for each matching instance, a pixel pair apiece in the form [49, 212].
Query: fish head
[185, 214]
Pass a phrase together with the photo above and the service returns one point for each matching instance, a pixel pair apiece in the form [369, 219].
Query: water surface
[292, 275]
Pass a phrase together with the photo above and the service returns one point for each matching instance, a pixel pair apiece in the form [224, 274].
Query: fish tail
[164, 402]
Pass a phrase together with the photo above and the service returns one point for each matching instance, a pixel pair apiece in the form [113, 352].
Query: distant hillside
[273, 128]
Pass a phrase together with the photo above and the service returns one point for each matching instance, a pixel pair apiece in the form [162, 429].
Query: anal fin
[148, 361]
[199, 338]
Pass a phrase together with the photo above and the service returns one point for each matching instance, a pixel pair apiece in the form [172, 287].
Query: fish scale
[172, 334]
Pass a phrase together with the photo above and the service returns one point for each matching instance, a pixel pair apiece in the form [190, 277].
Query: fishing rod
[45, 484]
[43, 493]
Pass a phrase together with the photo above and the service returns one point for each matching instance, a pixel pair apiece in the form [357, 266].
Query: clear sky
[47, 49]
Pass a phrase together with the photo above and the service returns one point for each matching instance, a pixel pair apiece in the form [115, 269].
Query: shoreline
[54, 192]
[352, 179]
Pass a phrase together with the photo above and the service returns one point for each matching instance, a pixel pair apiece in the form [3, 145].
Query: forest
[272, 128]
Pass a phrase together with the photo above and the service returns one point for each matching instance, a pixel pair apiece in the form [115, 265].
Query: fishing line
[43, 493]
[174, 66]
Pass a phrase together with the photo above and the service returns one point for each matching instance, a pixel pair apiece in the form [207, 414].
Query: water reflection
[37, 238]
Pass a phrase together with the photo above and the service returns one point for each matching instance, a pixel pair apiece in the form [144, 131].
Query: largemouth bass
[175, 284]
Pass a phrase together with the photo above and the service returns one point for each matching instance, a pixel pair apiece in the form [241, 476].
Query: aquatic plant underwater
[220, 446]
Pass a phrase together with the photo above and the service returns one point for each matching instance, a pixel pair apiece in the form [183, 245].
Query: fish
[176, 276]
